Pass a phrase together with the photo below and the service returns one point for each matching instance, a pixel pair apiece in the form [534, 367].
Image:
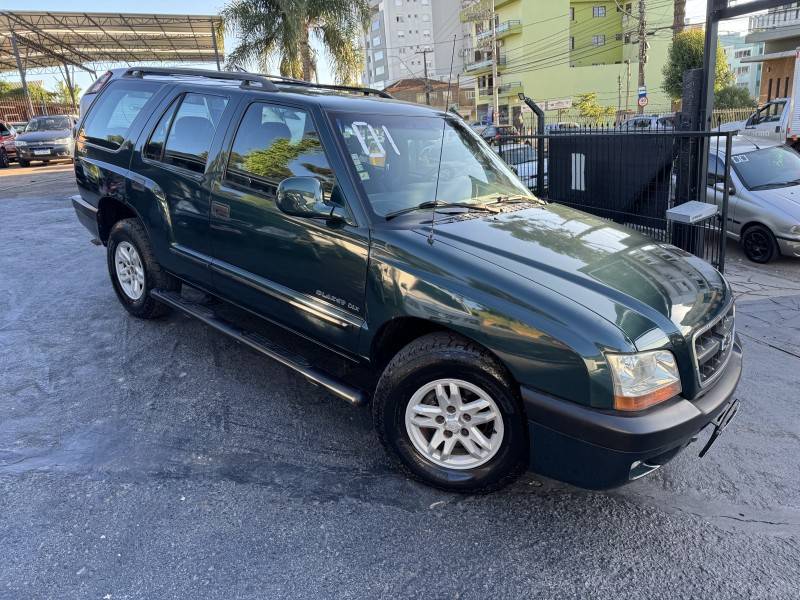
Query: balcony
[472, 10]
[480, 66]
[778, 18]
[504, 29]
[511, 88]
[485, 92]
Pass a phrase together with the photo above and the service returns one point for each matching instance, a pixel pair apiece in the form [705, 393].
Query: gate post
[539, 142]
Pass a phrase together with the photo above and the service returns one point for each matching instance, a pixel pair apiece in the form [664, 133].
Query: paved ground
[160, 460]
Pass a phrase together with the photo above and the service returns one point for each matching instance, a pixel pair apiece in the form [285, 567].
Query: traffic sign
[643, 101]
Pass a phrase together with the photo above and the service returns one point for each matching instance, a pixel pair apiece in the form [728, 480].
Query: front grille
[713, 346]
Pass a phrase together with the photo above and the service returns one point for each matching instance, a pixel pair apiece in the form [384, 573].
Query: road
[161, 460]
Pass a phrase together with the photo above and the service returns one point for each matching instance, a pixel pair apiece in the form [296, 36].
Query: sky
[695, 11]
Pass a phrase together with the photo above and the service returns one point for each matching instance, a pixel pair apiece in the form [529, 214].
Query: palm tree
[283, 30]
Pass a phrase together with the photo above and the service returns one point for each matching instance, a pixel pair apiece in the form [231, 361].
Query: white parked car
[522, 158]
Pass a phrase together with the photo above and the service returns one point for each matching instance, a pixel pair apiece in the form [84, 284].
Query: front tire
[24, 163]
[448, 415]
[4, 162]
[134, 270]
[759, 244]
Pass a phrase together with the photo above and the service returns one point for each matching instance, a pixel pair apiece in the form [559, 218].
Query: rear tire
[134, 270]
[759, 244]
[415, 402]
[24, 163]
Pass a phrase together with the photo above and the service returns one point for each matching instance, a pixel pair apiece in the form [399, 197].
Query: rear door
[169, 175]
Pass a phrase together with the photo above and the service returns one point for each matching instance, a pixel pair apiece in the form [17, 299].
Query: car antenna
[441, 146]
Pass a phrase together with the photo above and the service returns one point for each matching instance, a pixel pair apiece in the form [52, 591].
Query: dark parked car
[403, 264]
[495, 133]
[45, 139]
[8, 149]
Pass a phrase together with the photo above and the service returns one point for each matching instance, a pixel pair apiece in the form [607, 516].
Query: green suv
[386, 253]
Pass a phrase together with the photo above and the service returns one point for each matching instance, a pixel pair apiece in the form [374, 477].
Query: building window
[571, 13]
[376, 41]
[742, 53]
[598, 11]
[379, 71]
[572, 43]
[401, 33]
[376, 24]
[426, 33]
[426, 18]
[379, 55]
[742, 70]
[598, 40]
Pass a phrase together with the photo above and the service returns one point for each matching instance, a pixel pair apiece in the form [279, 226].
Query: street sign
[642, 101]
[643, 91]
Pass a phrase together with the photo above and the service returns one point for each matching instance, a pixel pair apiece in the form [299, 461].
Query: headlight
[795, 230]
[643, 379]
[20, 143]
[66, 141]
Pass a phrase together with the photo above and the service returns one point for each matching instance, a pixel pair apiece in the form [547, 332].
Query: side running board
[260, 344]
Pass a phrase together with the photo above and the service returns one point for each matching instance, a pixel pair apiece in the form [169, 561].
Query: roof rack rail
[328, 86]
[247, 79]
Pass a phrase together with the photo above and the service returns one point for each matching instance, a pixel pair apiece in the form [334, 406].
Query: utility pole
[619, 96]
[495, 60]
[628, 87]
[425, 67]
[642, 45]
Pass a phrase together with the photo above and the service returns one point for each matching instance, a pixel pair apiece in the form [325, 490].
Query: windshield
[769, 113]
[397, 158]
[49, 124]
[774, 167]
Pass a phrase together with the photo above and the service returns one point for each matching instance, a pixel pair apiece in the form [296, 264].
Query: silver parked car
[522, 158]
[764, 201]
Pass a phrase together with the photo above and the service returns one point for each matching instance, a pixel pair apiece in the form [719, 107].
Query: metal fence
[16, 110]
[634, 178]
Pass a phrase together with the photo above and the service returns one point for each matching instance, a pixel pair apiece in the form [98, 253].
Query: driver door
[715, 176]
[307, 274]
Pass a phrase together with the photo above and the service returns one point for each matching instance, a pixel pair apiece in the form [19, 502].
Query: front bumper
[45, 152]
[600, 449]
[789, 247]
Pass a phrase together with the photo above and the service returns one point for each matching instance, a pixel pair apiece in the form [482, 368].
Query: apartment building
[406, 37]
[555, 50]
[779, 31]
[737, 49]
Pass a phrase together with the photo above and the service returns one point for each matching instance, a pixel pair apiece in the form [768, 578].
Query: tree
[62, 95]
[283, 30]
[686, 52]
[591, 110]
[733, 96]
[13, 91]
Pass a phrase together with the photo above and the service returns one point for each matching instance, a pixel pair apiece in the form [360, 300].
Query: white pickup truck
[778, 119]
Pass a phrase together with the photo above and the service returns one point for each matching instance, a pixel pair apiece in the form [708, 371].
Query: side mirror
[302, 197]
[720, 187]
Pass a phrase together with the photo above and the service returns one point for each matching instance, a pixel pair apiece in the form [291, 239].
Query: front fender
[546, 341]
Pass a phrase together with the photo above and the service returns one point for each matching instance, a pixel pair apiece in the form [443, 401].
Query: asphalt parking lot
[162, 460]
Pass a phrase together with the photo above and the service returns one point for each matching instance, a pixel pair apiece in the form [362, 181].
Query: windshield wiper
[777, 184]
[514, 199]
[430, 204]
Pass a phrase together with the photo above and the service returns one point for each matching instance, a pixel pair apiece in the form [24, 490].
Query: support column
[21, 70]
[214, 42]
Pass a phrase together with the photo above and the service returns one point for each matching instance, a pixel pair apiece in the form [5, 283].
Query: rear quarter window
[112, 115]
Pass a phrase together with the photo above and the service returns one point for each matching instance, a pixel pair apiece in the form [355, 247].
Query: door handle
[220, 210]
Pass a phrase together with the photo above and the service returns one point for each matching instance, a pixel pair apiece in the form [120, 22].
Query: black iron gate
[634, 178]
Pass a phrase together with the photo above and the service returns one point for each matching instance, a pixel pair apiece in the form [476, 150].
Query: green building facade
[555, 50]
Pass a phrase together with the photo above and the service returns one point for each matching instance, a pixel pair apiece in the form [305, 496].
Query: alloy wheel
[130, 271]
[454, 424]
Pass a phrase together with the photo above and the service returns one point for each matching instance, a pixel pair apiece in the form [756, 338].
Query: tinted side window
[113, 113]
[716, 169]
[273, 143]
[192, 130]
[154, 149]
[3, 130]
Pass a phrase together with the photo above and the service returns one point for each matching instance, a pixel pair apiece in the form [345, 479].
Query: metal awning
[86, 40]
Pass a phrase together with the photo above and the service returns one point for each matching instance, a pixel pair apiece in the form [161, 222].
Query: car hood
[786, 199]
[648, 289]
[44, 136]
[732, 126]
